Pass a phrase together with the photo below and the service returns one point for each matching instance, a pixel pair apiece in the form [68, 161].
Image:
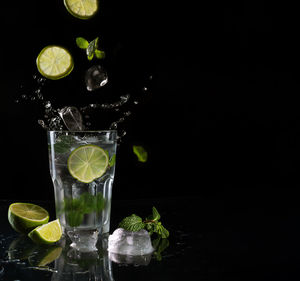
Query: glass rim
[89, 131]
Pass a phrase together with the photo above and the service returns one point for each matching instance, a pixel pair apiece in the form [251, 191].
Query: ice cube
[72, 118]
[132, 243]
[95, 77]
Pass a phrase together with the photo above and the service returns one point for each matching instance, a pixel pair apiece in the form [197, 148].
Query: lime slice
[87, 162]
[54, 62]
[82, 9]
[46, 234]
[23, 217]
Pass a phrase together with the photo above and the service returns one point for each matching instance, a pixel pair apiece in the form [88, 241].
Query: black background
[222, 115]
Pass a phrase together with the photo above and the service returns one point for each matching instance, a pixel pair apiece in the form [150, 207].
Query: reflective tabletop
[210, 239]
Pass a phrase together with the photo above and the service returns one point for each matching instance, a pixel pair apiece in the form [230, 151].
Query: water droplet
[34, 76]
[24, 97]
[135, 102]
[47, 104]
[42, 123]
[17, 101]
[37, 91]
[145, 89]
[113, 126]
[150, 77]
[32, 98]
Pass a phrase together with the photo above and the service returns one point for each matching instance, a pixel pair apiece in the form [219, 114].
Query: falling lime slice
[24, 217]
[82, 9]
[46, 234]
[54, 62]
[87, 162]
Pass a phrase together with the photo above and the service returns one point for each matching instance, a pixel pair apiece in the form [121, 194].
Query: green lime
[23, 217]
[87, 162]
[54, 62]
[46, 234]
[82, 9]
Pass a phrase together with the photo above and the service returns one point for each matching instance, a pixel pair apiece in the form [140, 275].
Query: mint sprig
[90, 47]
[151, 224]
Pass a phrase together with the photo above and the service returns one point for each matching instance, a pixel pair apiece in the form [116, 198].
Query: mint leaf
[155, 214]
[99, 54]
[163, 232]
[160, 245]
[100, 202]
[112, 160]
[132, 223]
[82, 43]
[93, 45]
[140, 152]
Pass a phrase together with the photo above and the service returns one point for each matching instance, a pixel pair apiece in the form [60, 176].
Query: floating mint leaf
[93, 45]
[82, 43]
[140, 152]
[132, 223]
[99, 54]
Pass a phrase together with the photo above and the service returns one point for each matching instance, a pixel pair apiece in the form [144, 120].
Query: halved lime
[46, 234]
[87, 162]
[54, 62]
[82, 9]
[23, 217]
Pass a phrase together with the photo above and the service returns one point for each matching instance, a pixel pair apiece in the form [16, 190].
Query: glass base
[83, 240]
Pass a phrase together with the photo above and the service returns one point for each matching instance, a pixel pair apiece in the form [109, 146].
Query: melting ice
[132, 243]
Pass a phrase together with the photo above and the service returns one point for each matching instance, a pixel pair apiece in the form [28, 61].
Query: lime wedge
[46, 234]
[82, 9]
[87, 162]
[54, 62]
[23, 217]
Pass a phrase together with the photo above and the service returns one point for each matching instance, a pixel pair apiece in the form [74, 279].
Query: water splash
[51, 119]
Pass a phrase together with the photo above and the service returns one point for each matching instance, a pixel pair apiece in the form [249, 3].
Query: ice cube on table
[95, 77]
[72, 118]
[133, 243]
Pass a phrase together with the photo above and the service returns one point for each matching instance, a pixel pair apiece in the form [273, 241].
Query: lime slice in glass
[87, 162]
[24, 217]
[82, 9]
[46, 234]
[54, 62]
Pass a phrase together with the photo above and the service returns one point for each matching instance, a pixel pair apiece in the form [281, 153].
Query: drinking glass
[83, 206]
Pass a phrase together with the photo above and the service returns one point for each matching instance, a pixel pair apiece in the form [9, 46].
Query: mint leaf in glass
[140, 152]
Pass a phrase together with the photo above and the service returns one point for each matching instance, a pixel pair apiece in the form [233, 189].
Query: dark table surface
[210, 239]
